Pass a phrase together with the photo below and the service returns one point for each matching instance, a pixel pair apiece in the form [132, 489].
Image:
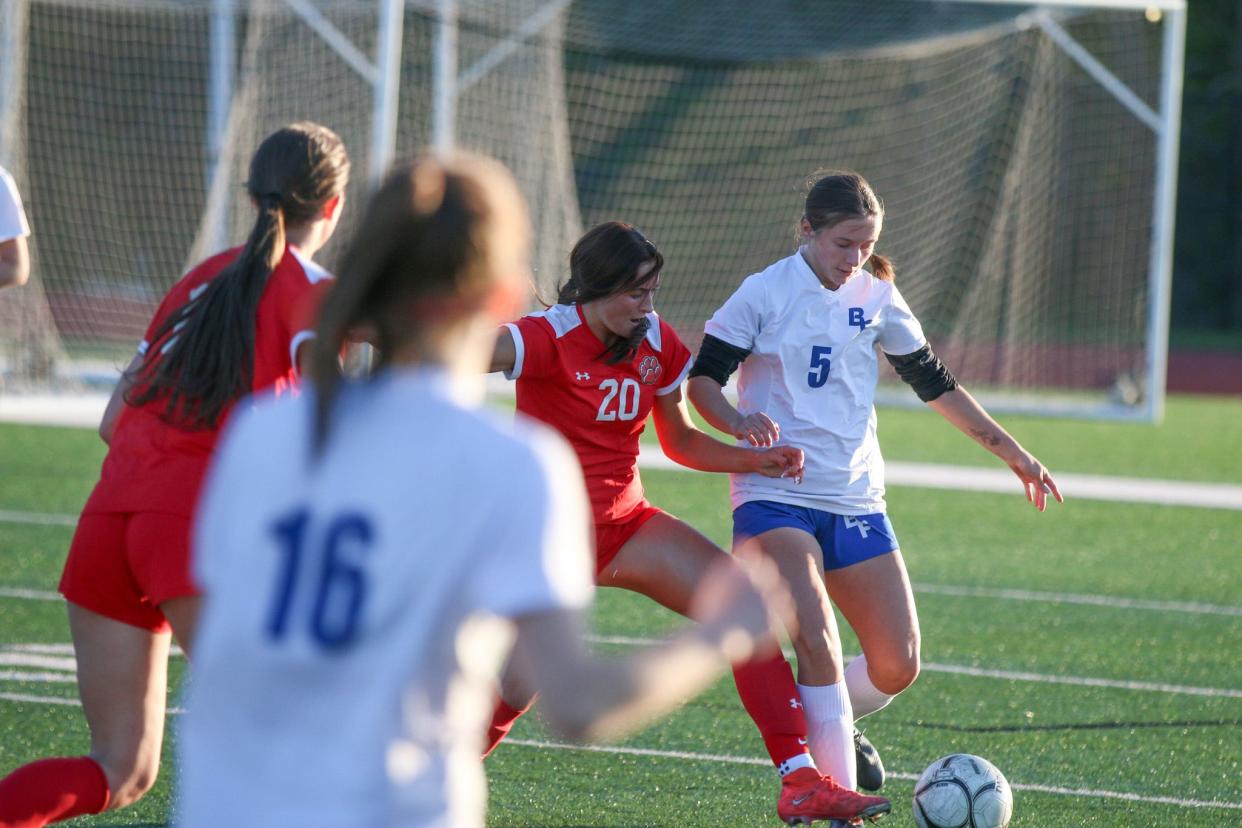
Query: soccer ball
[962, 791]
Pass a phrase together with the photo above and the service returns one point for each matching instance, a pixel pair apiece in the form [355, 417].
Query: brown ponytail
[201, 358]
[428, 232]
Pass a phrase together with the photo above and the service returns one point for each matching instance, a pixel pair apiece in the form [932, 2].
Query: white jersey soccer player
[14, 228]
[813, 369]
[13, 222]
[357, 604]
[807, 333]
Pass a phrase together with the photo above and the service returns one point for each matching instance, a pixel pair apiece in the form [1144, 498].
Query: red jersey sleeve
[535, 344]
[183, 290]
[677, 357]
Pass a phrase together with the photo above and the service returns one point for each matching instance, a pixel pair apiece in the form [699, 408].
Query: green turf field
[1093, 653]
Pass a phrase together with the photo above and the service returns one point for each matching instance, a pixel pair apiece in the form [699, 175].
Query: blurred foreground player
[371, 550]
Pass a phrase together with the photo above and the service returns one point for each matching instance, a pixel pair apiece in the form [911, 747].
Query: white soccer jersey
[13, 222]
[813, 369]
[357, 606]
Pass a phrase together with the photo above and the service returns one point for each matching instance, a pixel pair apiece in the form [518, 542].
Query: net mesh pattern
[1018, 190]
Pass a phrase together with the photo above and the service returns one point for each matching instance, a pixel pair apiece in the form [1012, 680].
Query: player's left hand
[781, 461]
[1036, 480]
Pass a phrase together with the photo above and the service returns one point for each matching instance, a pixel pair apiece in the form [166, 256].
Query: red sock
[503, 718]
[769, 694]
[51, 790]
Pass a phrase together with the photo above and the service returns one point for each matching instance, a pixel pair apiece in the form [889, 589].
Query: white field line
[1008, 675]
[747, 760]
[38, 518]
[39, 678]
[1107, 601]
[40, 655]
[1084, 486]
[18, 658]
[1110, 601]
[938, 476]
[30, 594]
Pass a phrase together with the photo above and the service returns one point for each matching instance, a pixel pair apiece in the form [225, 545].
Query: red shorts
[125, 564]
[610, 537]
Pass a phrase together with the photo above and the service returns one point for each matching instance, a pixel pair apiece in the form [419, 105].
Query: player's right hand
[758, 429]
[782, 461]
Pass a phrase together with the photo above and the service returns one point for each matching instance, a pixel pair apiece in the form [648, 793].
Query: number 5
[820, 365]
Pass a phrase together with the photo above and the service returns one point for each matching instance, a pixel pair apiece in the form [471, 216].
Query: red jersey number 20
[620, 400]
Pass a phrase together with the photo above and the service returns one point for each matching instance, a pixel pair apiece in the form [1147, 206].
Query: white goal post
[1165, 123]
[1026, 153]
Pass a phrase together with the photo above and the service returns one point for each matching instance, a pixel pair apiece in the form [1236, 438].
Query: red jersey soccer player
[594, 367]
[231, 325]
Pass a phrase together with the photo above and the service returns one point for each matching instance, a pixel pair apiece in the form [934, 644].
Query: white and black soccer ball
[962, 791]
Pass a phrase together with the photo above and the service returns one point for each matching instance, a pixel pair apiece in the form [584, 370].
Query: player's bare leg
[876, 599]
[818, 642]
[182, 614]
[123, 682]
[664, 560]
[820, 671]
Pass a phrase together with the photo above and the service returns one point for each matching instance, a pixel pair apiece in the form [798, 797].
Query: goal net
[1017, 148]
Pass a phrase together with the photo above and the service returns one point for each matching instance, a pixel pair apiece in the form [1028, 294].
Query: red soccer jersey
[601, 409]
[154, 466]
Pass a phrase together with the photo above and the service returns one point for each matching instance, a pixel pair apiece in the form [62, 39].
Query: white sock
[793, 763]
[865, 697]
[830, 730]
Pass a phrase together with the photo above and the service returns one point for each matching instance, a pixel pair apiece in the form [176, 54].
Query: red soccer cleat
[806, 796]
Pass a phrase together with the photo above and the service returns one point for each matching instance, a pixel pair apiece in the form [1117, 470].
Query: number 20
[627, 404]
[821, 364]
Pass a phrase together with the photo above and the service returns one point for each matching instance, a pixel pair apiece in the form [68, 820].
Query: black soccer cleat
[867, 759]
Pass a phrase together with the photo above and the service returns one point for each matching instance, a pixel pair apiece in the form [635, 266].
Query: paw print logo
[649, 370]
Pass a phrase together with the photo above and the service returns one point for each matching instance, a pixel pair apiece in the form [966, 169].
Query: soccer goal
[1026, 153]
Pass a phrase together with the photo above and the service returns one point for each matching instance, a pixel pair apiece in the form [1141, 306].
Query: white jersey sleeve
[231, 461]
[544, 559]
[900, 332]
[740, 319]
[13, 223]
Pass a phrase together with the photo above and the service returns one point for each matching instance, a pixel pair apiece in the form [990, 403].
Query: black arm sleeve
[717, 359]
[924, 372]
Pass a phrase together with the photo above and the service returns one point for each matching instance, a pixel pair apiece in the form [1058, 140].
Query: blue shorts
[844, 539]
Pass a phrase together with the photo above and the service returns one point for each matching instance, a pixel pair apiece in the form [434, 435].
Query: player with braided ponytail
[233, 324]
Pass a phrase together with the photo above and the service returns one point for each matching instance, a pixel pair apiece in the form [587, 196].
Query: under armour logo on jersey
[857, 320]
[801, 741]
[649, 370]
[581, 376]
[794, 704]
[861, 525]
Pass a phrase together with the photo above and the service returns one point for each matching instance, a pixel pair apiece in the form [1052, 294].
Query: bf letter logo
[856, 319]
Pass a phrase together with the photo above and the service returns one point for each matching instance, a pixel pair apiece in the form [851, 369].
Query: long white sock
[865, 697]
[830, 730]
